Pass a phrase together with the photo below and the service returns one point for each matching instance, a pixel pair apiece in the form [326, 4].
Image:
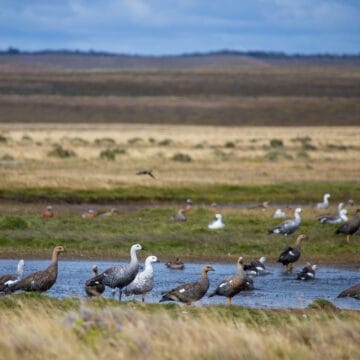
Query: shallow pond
[276, 289]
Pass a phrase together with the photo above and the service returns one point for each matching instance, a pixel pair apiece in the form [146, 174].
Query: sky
[159, 27]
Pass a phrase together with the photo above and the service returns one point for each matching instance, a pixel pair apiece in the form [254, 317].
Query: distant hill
[14, 59]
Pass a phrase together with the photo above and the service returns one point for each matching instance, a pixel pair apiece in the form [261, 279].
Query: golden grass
[213, 162]
[133, 332]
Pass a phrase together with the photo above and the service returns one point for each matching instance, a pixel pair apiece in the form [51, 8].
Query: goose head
[326, 197]
[218, 217]
[59, 249]
[136, 247]
[151, 259]
[207, 268]
[340, 206]
[263, 259]
[49, 208]
[298, 211]
[314, 267]
[300, 238]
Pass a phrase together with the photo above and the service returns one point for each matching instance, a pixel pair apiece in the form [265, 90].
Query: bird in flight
[146, 172]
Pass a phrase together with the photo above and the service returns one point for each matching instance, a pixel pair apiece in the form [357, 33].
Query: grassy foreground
[25, 233]
[38, 327]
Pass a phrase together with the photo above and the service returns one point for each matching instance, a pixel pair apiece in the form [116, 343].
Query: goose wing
[288, 255]
[183, 292]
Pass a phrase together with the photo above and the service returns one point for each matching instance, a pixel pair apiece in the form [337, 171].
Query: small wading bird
[48, 213]
[291, 254]
[307, 273]
[191, 292]
[233, 284]
[39, 281]
[144, 280]
[117, 277]
[7, 280]
[96, 289]
[112, 212]
[289, 226]
[325, 203]
[146, 172]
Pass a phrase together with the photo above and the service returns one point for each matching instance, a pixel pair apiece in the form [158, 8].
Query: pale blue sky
[178, 26]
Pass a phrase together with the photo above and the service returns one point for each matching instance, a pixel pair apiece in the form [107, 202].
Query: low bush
[181, 157]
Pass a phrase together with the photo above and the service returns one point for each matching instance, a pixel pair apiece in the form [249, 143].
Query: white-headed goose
[289, 226]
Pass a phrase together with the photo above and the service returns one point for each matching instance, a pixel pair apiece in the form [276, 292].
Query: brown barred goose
[191, 292]
[39, 281]
[233, 284]
[95, 289]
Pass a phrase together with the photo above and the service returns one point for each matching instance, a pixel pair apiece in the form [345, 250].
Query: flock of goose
[129, 279]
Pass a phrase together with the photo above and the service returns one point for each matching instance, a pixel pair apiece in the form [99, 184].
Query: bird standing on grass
[144, 280]
[90, 214]
[191, 292]
[117, 277]
[289, 226]
[39, 281]
[233, 284]
[350, 227]
[291, 254]
[96, 289]
[48, 213]
[180, 216]
[217, 223]
[325, 203]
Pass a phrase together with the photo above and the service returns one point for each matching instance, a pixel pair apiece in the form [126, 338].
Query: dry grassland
[219, 155]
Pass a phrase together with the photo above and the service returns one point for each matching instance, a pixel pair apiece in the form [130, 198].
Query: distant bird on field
[7, 280]
[291, 254]
[334, 218]
[353, 291]
[233, 284]
[112, 212]
[180, 216]
[39, 281]
[175, 265]
[351, 202]
[279, 214]
[96, 289]
[191, 292]
[256, 266]
[307, 273]
[217, 223]
[350, 227]
[144, 280]
[90, 214]
[289, 226]
[325, 203]
[48, 213]
[146, 172]
[119, 276]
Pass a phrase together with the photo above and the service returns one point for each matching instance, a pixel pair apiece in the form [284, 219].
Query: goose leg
[120, 293]
[229, 301]
[113, 293]
[143, 298]
[348, 238]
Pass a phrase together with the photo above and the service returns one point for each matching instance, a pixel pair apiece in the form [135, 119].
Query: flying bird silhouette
[146, 172]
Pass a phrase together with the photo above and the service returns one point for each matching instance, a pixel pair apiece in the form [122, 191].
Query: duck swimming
[256, 266]
[175, 265]
[96, 289]
[7, 280]
[217, 223]
[307, 273]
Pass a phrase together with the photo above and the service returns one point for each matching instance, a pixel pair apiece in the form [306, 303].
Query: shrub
[27, 138]
[276, 143]
[308, 146]
[322, 304]
[229, 144]
[104, 142]
[77, 141]
[181, 157]
[198, 146]
[110, 154]
[7, 157]
[301, 139]
[152, 140]
[3, 138]
[275, 155]
[337, 147]
[13, 222]
[60, 152]
[134, 140]
[165, 142]
[303, 155]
